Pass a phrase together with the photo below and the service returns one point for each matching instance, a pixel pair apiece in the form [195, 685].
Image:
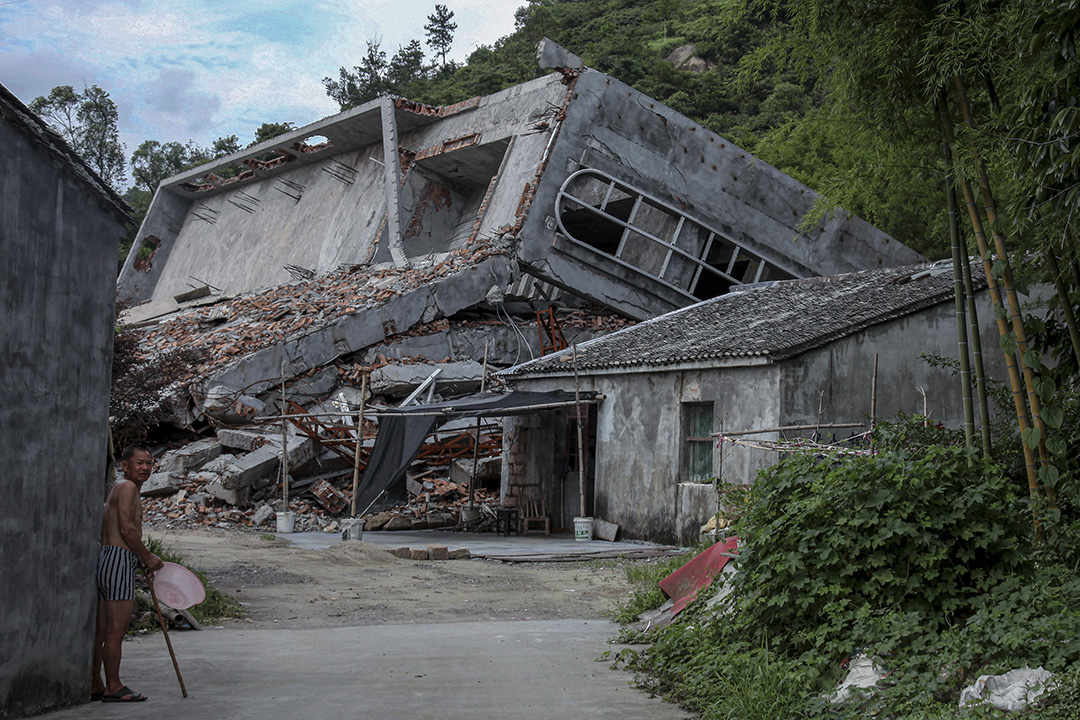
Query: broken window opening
[145, 257]
[642, 232]
[698, 447]
[312, 144]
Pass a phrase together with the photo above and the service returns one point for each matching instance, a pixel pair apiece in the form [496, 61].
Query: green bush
[919, 557]
[834, 542]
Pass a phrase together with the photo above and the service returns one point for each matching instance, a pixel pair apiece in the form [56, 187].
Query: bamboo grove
[994, 86]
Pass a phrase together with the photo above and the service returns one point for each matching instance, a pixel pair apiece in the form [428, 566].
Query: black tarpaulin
[402, 432]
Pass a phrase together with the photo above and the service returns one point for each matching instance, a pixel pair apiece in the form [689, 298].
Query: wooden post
[165, 631]
[580, 440]
[359, 442]
[873, 404]
[284, 445]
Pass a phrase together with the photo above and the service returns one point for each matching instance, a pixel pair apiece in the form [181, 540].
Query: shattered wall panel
[243, 238]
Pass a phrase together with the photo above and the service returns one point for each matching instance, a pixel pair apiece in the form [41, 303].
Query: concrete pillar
[393, 183]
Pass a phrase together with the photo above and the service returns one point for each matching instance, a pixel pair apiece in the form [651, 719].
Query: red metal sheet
[684, 584]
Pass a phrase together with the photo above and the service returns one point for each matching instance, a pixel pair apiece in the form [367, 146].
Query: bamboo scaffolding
[476, 438]
[359, 442]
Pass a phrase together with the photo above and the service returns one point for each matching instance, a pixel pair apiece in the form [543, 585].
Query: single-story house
[776, 355]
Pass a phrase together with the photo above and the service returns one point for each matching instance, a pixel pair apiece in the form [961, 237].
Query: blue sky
[199, 69]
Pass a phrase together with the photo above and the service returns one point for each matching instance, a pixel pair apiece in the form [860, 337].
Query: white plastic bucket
[352, 529]
[286, 521]
[583, 529]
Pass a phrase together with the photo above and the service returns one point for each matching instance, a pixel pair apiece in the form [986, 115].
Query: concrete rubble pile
[230, 475]
[233, 480]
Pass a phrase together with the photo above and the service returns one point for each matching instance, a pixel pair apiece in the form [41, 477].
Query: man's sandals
[124, 694]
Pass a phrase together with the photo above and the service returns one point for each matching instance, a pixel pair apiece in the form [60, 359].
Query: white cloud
[199, 69]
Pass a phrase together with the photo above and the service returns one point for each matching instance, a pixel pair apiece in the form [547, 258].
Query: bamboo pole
[476, 438]
[977, 357]
[792, 428]
[580, 440]
[359, 442]
[284, 446]
[958, 291]
[1003, 328]
[1010, 294]
[873, 404]
[1066, 302]
[165, 631]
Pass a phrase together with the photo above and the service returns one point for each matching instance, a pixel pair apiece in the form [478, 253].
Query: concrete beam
[393, 184]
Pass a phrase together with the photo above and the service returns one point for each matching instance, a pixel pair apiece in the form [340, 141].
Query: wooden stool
[507, 519]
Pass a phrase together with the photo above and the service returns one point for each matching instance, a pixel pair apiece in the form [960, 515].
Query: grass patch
[646, 593]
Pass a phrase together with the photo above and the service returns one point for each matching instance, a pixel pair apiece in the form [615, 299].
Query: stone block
[161, 483]
[461, 470]
[398, 523]
[191, 456]
[459, 554]
[301, 450]
[401, 552]
[418, 554]
[420, 524]
[400, 380]
[377, 521]
[262, 514]
[438, 552]
[233, 496]
[231, 406]
[244, 471]
[245, 440]
[306, 389]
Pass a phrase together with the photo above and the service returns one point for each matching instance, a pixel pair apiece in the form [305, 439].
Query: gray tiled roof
[774, 321]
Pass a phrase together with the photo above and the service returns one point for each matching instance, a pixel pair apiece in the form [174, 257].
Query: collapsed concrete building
[402, 238]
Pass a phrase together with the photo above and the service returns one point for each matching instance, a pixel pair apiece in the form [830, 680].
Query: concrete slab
[524, 670]
[487, 545]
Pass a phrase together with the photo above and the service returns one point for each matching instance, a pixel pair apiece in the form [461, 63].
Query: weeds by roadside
[922, 559]
[216, 606]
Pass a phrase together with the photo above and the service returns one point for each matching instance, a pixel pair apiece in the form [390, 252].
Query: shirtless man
[122, 550]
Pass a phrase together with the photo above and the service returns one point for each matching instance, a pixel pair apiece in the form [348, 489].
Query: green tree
[364, 82]
[88, 122]
[440, 32]
[154, 161]
[407, 66]
[270, 130]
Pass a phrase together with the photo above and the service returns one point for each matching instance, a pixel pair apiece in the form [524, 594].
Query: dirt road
[360, 583]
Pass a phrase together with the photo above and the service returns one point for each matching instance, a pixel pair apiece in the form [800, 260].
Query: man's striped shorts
[116, 573]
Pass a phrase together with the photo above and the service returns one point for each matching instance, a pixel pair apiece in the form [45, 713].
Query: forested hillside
[716, 62]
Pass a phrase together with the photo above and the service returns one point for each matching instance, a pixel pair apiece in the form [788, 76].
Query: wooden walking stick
[165, 630]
